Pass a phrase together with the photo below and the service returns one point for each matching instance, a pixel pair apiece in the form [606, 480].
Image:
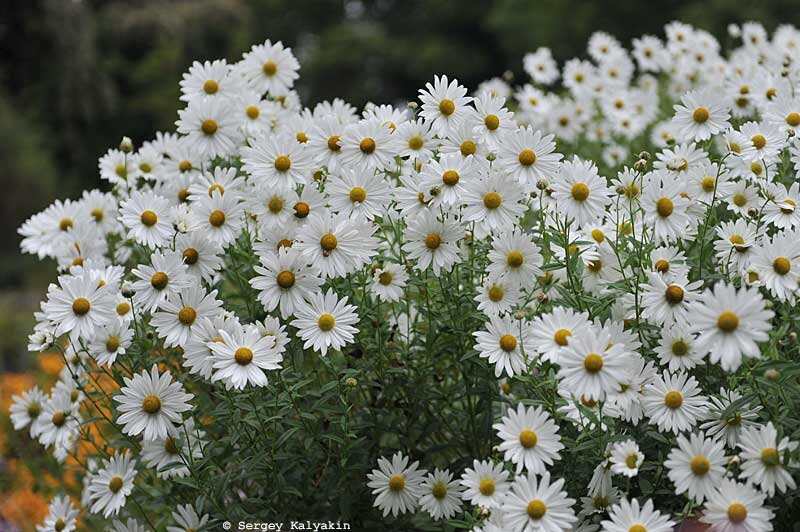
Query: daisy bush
[565, 304]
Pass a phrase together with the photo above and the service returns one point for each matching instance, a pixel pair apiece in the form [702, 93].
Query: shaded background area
[77, 75]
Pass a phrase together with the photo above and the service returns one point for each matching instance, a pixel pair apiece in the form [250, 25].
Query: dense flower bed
[566, 305]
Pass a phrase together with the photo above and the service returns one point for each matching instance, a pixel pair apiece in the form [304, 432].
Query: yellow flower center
[123, 308]
[326, 322]
[662, 266]
[528, 439]
[252, 112]
[496, 293]
[491, 122]
[759, 141]
[209, 126]
[149, 218]
[367, 145]
[700, 465]
[728, 322]
[508, 343]
[593, 363]
[680, 348]
[285, 279]
[58, 419]
[580, 192]
[439, 490]
[486, 487]
[632, 460]
[269, 68]
[708, 184]
[151, 404]
[301, 209]
[397, 483]
[187, 315]
[492, 200]
[243, 356]
[673, 294]
[637, 528]
[333, 143]
[536, 509]
[739, 199]
[190, 256]
[468, 148]
[433, 241]
[561, 337]
[770, 457]
[184, 166]
[159, 280]
[328, 242]
[700, 115]
[358, 195]
[781, 265]
[282, 163]
[216, 218]
[447, 107]
[673, 399]
[115, 484]
[98, 215]
[515, 259]
[59, 525]
[301, 137]
[112, 344]
[598, 235]
[793, 119]
[81, 306]
[737, 512]
[664, 207]
[450, 177]
[527, 157]
[385, 278]
[210, 87]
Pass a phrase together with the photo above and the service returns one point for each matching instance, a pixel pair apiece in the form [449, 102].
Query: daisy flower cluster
[566, 305]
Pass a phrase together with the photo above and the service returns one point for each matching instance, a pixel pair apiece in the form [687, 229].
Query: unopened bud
[508, 76]
[350, 382]
[640, 165]
[126, 145]
[645, 155]
[413, 106]
[772, 374]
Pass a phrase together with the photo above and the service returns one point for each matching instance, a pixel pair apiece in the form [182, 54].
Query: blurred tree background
[77, 75]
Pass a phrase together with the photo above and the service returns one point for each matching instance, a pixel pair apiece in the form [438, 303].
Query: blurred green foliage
[77, 75]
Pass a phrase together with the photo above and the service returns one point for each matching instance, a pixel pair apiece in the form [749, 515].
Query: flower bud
[772, 374]
[126, 145]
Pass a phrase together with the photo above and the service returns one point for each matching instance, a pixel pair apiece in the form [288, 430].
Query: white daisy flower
[735, 507]
[447, 179]
[432, 243]
[667, 302]
[626, 458]
[778, 263]
[165, 276]
[530, 439]
[673, 402]
[78, 306]
[494, 201]
[111, 341]
[325, 321]
[148, 219]
[537, 504]
[242, 354]
[631, 517]
[444, 104]
[110, 486]
[179, 313]
[26, 408]
[201, 255]
[187, 519]
[515, 257]
[497, 295]
[701, 115]
[210, 127]
[503, 343]
[357, 194]
[665, 209]
[729, 322]
[485, 484]
[389, 281]
[169, 456]
[591, 366]
[552, 332]
[209, 80]
[269, 68]
[677, 348]
[581, 194]
[727, 423]
[285, 279]
[762, 463]
[336, 244]
[696, 466]
[368, 146]
[528, 156]
[441, 495]
[397, 484]
[151, 404]
[277, 161]
[61, 516]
